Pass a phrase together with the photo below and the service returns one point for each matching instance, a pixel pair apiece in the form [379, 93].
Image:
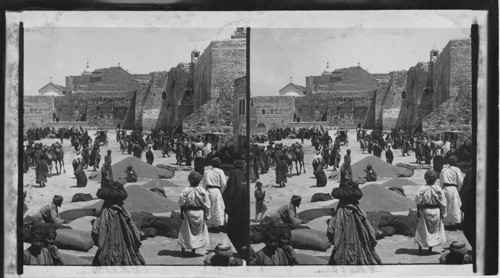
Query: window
[164, 95]
[300, 110]
[263, 111]
[31, 110]
[403, 94]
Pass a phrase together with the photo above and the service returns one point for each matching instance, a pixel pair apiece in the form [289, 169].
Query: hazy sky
[63, 51]
[278, 54]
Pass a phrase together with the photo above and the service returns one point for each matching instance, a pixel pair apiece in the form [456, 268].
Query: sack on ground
[375, 216]
[166, 173]
[73, 240]
[321, 197]
[398, 190]
[165, 226]
[405, 172]
[312, 214]
[404, 225]
[138, 216]
[81, 197]
[74, 260]
[387, 231]
[159, 191]
[309, 240]
[73, 214]
[149, 232]
[305, 259]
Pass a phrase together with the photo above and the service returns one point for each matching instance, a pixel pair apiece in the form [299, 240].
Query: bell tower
[195, 55]
[433, 54]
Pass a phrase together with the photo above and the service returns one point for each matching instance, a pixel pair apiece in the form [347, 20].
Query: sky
[64, 51]
[278, 54]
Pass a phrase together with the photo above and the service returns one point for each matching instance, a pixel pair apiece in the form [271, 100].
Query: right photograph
[362, 146]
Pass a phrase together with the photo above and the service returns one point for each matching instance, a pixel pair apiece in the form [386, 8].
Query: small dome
[195, 50]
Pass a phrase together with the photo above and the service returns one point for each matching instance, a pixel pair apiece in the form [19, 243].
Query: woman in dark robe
[114, 232]
[199, 163]
[281, 170]
[81, 177]
[438, 162]
[86, 157]
[319, 173]
[42, 169]
[188, 154]
[389, 156]
[235, 199]
[349, 230]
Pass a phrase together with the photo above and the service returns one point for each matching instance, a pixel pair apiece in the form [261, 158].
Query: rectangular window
[263, 111]
[243, 108]
[300, 110]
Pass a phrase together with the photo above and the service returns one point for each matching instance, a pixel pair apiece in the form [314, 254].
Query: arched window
[164, 95]
[403, 94]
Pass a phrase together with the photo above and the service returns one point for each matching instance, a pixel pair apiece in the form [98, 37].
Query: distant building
[52, 89]
[293, 90]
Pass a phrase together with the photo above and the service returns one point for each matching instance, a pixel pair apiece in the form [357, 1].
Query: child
[50, 237]
[260, 207]
[37, 253]
[285, 235]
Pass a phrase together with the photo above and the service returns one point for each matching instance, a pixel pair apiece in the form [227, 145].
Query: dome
[88, 69]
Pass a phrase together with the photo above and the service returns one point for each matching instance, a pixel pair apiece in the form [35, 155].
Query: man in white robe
[431, 207]
[451, 181]
[195, 210]
[214, 182]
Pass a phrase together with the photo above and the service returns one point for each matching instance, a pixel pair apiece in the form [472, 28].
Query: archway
[261, 128]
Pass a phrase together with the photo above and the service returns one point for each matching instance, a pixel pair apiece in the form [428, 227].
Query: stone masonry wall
[38, 111]
[415, 86]
[271, 112]
[455, 113]
[393, 99]
[227, 62]
[153, 100]
[140, 98]
[179, 83]
[349, 110]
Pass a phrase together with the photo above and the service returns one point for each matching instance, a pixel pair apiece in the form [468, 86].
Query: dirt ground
[156, 251]
[396, 249]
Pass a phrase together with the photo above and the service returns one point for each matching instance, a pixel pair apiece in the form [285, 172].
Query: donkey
[296, 154]
[56, 154]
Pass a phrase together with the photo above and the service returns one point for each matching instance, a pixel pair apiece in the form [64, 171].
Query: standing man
[149, 156]
[214, 182]
[451, 181]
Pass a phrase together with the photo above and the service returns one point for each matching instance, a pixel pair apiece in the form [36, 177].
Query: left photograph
[134, 146]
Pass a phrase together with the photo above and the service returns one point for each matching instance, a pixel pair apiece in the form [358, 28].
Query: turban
[194, 178]
[453, 161]
[57, 198]
[296, 198]
[216, 162]
[430, 175]
[239, 163]
[369, 166]
[129, 166]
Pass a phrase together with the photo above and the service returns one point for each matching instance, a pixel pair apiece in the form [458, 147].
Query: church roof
[291, 87]
[51, 87]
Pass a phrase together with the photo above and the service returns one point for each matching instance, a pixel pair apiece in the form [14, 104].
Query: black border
[20, 170]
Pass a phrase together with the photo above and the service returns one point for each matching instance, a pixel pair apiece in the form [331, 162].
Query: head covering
[216, 162]
[129, 166]
[239, 163]
[194, 178]
[37, 233]
[285, 231]
[369, 166]
[430, 175]
[348, 151]
[453, 160]
[57, 198]
[296, 198]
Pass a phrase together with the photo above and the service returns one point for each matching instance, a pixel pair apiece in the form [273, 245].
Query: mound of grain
[142, 199]
[160, 184]
[382, 168]
[143, 170]
[377, 198]
[398, 182]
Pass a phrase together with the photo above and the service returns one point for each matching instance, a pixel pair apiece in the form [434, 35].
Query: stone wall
[153, 100]
[105, 109]
[271, 112]
[391, 102]
[140, 99]
[38, 111]
[214, 74]
[452, 90]
[415, 86]
[178, 97]
[339, 109]
[349, 110]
